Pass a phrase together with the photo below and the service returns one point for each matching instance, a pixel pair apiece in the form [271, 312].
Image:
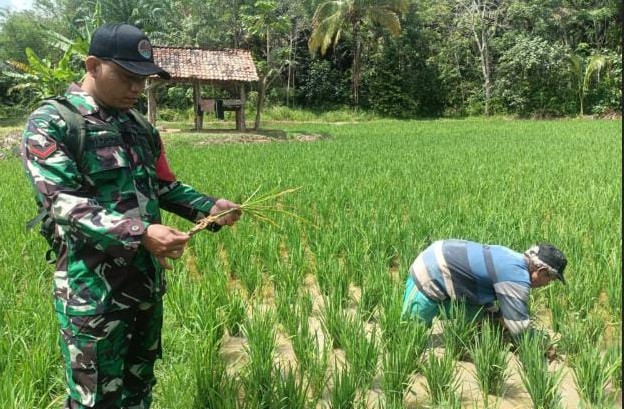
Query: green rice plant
[614, 354]
[235, 314]
[542, 386]
[254, 206]
[391, 321]
[361, 351]
[490, 357]
[440, 376]
[214, 388]
[259, 379]
[592, 372]
[334, 318]
[344, 390]
[314, 362]
[558, 309]
[372, 296]
[291, 389]
[402, 358]
[459, 328]
[580, 333]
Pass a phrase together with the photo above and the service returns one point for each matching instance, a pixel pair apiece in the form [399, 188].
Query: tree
[266, 22]
[584, 71]
[482, 19]
[333, 17]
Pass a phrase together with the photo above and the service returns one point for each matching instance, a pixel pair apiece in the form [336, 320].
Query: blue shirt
[476, 273]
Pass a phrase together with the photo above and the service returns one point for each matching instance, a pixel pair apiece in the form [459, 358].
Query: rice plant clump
[402, 358]
[542, 386]
[490, 357]
[441, 377]
[592, 373]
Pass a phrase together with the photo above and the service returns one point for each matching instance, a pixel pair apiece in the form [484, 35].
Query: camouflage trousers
[109, 358]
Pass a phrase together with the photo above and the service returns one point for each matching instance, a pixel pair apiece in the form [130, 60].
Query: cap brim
[562, 279]
[145, 68]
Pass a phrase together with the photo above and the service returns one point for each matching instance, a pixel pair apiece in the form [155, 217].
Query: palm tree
[333, 17]
[595, 64]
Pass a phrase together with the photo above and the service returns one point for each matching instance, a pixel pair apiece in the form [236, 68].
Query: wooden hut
[230, 69]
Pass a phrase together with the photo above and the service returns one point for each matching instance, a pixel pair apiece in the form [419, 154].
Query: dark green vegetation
[394, 58]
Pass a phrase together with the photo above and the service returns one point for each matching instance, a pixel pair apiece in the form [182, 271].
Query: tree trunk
[262, 81]
[355, 75]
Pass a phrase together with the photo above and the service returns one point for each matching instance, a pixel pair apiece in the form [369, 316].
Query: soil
[218, 136]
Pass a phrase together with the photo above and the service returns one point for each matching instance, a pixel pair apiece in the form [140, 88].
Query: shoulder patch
[42, 151]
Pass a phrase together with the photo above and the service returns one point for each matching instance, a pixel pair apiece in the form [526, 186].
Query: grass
[379, 192]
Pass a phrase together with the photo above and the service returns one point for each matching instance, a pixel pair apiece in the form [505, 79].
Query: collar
[88, 106]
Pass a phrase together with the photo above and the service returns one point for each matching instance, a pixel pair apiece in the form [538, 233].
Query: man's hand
[229, 219]
[164, 242]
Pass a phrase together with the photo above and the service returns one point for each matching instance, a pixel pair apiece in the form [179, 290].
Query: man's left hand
[229, 219]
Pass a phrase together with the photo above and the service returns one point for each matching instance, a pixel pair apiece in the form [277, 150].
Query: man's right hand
[164, 242]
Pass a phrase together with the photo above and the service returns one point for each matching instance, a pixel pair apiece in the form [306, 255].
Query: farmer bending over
[480, 275]
[101, 177]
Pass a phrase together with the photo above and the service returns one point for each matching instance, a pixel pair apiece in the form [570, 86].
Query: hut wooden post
[240, 113]
[151, 101]
[196, 106]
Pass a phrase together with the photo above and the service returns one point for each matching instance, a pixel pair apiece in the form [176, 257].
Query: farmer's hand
[551, 354]
[164, 242]
[230, 218]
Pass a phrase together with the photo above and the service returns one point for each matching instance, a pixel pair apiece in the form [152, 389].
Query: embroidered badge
[42, 151]
[145, 48]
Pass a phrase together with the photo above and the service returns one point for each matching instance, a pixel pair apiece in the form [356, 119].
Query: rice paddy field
[307, 315]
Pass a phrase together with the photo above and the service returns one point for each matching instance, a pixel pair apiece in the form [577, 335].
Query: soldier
[101, 203]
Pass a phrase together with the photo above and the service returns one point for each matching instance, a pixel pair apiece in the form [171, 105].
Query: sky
[16, 4]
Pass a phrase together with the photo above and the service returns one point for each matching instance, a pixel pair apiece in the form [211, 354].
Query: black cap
[128, 47]
[553, 257]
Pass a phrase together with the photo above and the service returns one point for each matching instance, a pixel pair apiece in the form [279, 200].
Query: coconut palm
[333, 17]
[594, 65]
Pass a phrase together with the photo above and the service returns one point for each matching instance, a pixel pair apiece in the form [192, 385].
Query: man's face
[541, 277]
[116, 87]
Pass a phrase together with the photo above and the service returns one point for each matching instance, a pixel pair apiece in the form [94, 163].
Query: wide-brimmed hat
[128, 47]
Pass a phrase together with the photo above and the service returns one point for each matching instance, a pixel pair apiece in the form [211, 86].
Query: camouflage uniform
[108, 289]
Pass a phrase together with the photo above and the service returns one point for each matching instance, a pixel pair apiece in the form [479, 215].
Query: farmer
[103, 203]
[482, 276]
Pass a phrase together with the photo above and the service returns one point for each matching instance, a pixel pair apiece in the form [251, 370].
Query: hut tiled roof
[206, 65]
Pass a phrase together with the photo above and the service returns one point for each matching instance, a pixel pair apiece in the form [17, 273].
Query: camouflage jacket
[102, 209]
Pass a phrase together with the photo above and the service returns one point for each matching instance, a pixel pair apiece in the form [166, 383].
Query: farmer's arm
[185, 201]
[57, 181]
[513, 298]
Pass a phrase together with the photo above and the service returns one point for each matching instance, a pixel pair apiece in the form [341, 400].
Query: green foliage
[533, 78]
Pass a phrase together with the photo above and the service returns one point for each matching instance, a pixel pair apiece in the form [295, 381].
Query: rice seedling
[260, 348]
[255, 206]
[334, 318]
[557, 308]
[314, 362]
[490, 357]
[441, 377]
[402, 358]
[579, 334]
[542, 386]
[213, 387]
[291, 389]
[235, 314]
[459, 328]
[344, 390]
[361, 350]
[593, 370]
